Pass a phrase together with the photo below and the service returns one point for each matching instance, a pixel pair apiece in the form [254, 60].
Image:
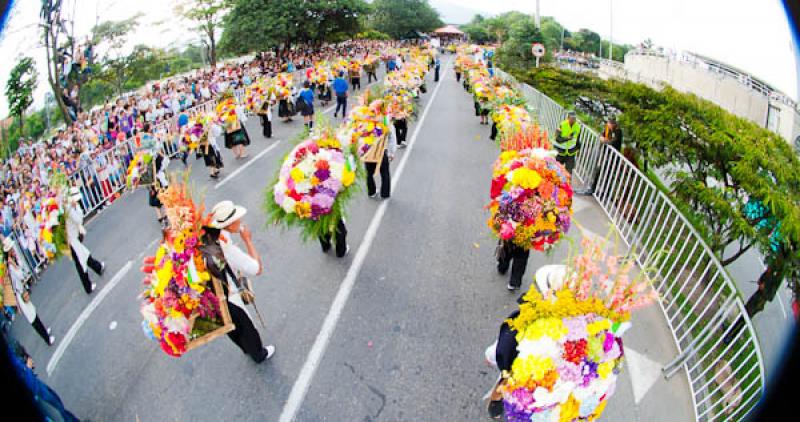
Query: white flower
[543, 347]
[288, 205]
[560, 393]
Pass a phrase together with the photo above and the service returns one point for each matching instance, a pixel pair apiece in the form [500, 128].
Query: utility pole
[562, 39]
[538, 17]
[611, 30]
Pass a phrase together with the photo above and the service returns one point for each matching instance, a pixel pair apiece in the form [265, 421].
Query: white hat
[550, 278]
[8, 244]
[75, 193]
[226, 213]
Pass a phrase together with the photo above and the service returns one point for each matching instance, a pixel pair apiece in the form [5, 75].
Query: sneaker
[496, 410]
[512, 288]
[94, 287]
[103, 265]
[373, 195]
[49, 330]
[270, 351]
[347, 251]
[52, 341]
[401, 146]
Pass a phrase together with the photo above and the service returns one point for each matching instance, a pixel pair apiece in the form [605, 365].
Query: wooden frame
[227, 323]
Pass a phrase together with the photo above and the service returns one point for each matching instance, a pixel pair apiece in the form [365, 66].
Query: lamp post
[538, 17]
[611, 30]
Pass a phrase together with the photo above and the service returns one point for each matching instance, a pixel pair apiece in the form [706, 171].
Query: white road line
[303, 382]
[62, 346]
[246, 165]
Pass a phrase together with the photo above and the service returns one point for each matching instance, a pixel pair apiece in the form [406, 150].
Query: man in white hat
[80, 253]
[228, 263]
[24, 304]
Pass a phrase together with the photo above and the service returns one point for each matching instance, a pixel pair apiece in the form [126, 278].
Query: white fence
[717, 345]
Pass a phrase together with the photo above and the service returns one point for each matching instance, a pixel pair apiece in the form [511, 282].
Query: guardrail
[717, 344]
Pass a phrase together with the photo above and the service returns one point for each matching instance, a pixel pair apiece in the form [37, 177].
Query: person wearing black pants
[493, 135]
[340, 87]
[340, 238]
[92, 263]
[80, 254]
[511, 252]
[436, 70]
[386, 182]
[401, 128]
[355, 80]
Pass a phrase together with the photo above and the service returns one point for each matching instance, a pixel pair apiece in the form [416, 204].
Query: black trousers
[567, 160]
[493, 135]
[356, 82]
[340, 239]
[245, 335]
[519, 256]
[84, 275]
[386, 178]
[436, 74]
[458, 76]
[371, 76]
[41, 330]
[401, 128]
[341, 101]
[477, 109]
[266, 125]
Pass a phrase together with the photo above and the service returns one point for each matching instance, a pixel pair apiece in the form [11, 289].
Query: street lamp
[611, 30]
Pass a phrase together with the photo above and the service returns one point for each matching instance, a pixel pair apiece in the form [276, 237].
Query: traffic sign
[537, 49]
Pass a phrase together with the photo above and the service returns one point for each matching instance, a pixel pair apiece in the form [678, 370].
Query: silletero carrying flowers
[181, 305]
[314, 183]
[531, 198]
[568, 341]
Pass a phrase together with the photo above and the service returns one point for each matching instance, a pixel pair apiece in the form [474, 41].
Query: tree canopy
[207, 15]
[19, 88]
[399, 18]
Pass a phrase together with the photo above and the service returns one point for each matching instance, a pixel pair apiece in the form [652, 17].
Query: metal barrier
[717, 344]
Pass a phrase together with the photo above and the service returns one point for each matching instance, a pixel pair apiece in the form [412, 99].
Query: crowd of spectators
[94, 152]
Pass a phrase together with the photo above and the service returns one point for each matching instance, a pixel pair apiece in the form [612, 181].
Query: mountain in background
[455, 14]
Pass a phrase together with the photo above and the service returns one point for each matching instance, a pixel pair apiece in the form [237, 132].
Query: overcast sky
[752, 35]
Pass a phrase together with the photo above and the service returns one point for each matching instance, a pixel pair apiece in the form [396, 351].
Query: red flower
[294, 195]
[497, 186]
[323, 165]
[574, 351]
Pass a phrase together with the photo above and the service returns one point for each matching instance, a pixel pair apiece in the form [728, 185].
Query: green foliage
[19, 88]
[371, 34]
[399, 18]
[207, 15]
[257, 25]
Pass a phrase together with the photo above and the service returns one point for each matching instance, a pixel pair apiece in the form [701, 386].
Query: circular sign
[537, 50]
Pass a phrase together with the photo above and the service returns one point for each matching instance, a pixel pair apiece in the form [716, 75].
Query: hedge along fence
[699, 301]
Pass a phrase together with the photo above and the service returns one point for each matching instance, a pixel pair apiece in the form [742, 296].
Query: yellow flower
[597, 326]
[531, 368]
[598, 410]
[348, 177]
[604, 369]
[526, 178]
[314, 181]
[569, 410]
[297, 175]
[302, 209]
[551, 327]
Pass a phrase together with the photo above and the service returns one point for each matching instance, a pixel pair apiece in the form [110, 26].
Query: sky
[752, 35]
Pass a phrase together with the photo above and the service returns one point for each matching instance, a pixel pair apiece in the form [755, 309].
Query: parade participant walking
[389, 149]
[81, 255]
[236, 137]
[228, 263]
[160, 163]
[566, 141]
[305, 103]
[265, 113]
[510, 255]
[337, 234]
[211, 153]
[22, 296]
[401, 131]
[355, 77]
[436, 70]
[340, 87]
[612, 136]
[371, 68]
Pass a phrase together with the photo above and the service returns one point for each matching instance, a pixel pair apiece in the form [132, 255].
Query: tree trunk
[213, 51]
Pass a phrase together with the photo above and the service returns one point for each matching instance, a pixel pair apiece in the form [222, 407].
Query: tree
[115, 67]
[399, 18]
[208, 16]
[19, 88]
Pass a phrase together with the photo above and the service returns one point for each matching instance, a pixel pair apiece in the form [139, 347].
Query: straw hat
[75, 194]
[550, 278]
[226, 213]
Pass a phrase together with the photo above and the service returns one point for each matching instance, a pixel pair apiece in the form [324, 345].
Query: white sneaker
[52, 341]
[102, 268]
[347, 251]
[49, 330]
[373, 195]
[270, 351]
[512, 288]
[94, 287]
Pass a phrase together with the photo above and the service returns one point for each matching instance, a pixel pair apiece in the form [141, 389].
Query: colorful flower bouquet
[320, 74]
[400, 104]
[314, 183]
[139, 169]
[257, 93]
[183, 307]
[531, 198]
[510, 119]
[569, 341]
[365, 127]
[283, 85]
[52, 226]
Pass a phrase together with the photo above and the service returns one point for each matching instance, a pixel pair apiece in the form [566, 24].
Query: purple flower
[322, 174]
[608, 342]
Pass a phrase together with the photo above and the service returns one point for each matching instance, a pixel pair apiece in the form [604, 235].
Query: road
[394, 331]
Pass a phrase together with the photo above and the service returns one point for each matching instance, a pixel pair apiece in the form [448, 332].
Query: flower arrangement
[531, 198]
[314, 183]
[354, 67]
[138, 168]
[399, 104]
[52, 226]
[569, 341]
[282, 85]
[528, 137]
[366, 125]
[196, 131]
[257, 93]
[510, 119]
[179, 305]
[320, 74]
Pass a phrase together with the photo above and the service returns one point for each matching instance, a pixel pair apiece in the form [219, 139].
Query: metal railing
[717, 344]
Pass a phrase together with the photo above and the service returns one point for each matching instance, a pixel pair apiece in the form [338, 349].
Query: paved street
[418, 301]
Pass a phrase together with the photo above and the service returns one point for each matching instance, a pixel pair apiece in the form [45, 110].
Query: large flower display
[257, 93]
[510, 119]
[282, 85]
[365, 127]
[569, 341]
[179, 304]
[531, 198]
[400, 104]
[313, 184]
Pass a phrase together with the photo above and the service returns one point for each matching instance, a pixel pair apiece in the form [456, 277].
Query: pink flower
[506, 231]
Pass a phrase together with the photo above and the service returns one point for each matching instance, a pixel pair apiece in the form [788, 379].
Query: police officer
[612, 135]
[566, 142]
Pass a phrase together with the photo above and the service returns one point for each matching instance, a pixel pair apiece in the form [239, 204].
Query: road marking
[303, 382]
[644, 373]
[246, 165]
[62, 346]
